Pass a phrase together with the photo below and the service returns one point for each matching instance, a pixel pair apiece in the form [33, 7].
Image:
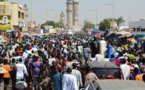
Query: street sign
[5, 20]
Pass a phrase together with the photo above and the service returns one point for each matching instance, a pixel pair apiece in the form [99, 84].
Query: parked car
[115, 85]
[105, 69]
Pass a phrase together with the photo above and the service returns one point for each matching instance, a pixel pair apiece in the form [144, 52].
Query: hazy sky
[133, 9]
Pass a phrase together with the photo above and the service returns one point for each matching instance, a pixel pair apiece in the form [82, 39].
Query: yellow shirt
[139, 77]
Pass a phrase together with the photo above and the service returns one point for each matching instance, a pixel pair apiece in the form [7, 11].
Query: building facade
[17, 14]
[137, 26]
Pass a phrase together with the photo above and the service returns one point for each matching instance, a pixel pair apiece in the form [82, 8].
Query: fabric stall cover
[131, 40]
[98, 35]
[96, 31]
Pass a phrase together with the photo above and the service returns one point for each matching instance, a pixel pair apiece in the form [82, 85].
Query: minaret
[75, 12]
[69, 14]
[62, 17]
[26, 15]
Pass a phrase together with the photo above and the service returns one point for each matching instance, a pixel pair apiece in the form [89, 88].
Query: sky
[131, 10]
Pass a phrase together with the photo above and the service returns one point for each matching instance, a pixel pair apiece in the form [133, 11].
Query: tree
[87, 25]
[49, 23]
[59, 24]
[119, 21]
[105, 24]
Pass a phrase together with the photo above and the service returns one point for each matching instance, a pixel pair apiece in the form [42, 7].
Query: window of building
[19, 14]
[143, 29]
[138, 29]
[134, 29]
[2, 9]
[23, 16]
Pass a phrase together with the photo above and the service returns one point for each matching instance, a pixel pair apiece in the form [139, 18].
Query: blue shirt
[109, 50]
[57, 80]
[134, 74]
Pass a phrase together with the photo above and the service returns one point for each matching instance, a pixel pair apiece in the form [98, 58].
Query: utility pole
[47, 11]
[95, 10]
[112, 5]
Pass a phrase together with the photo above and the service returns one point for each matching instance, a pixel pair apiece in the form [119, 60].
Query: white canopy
[123, 33]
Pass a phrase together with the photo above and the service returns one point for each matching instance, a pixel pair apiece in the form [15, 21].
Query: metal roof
[120, 85]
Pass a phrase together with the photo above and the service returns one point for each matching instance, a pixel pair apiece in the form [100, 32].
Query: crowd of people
[59, 62]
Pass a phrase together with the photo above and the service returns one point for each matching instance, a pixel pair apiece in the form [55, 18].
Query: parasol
[96, 31]
[131, 40]
[123, 33]
[98, 35]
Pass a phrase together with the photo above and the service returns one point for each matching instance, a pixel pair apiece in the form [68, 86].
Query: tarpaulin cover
[96, 31]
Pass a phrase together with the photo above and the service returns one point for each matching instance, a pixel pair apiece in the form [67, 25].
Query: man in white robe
[78, 75]
[69, 81]
[103, 46]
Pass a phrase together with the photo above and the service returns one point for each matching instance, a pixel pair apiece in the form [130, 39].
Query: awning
[5, 27]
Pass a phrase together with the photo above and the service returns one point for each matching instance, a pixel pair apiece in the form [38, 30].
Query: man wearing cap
[69, 81]
[77, 73]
